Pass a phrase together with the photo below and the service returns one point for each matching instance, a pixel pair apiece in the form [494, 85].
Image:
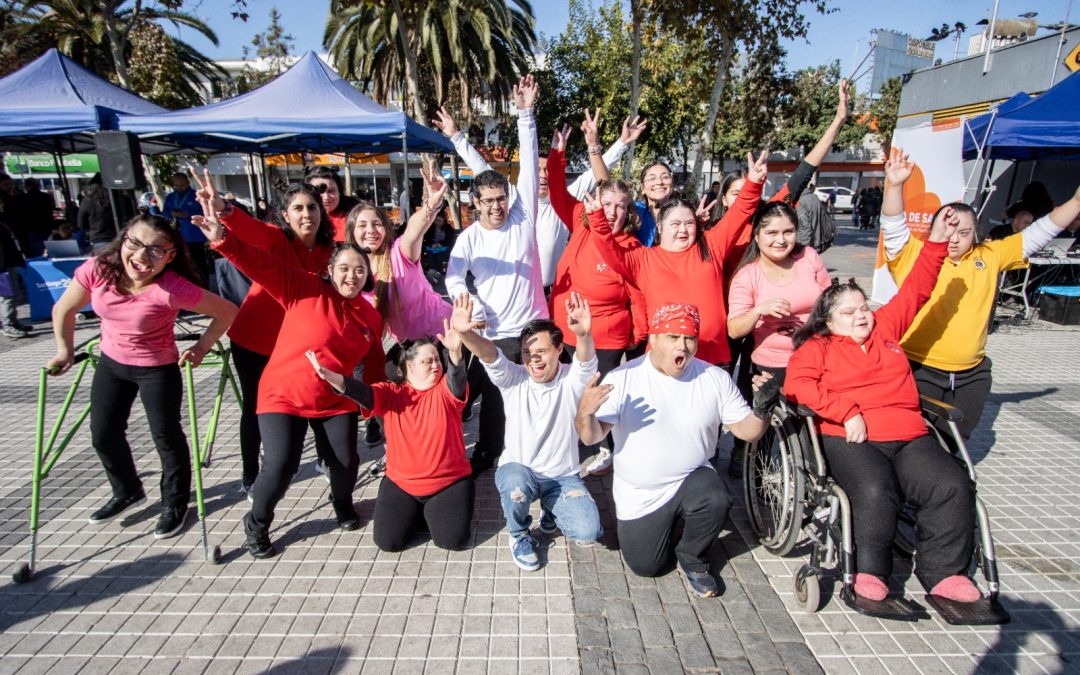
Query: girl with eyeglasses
[330, 317]
[137, 285]
[300, 237]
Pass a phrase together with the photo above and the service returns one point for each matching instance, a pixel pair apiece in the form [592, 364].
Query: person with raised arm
[540, 397]
[946, 342]
[300, 236]
[848, 367]
[427, 474]
[138, 284]
[551, 230]
[330, 316]
[501, 253]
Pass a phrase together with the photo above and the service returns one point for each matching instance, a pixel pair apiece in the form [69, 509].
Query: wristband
[434, 211]
[596, 150]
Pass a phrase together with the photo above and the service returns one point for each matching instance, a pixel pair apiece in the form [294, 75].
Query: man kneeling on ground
[539, 459]
[664, 411]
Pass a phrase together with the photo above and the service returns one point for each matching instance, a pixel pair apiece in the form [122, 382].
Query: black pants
[964, 389]
[249, 369]
[492, 425]
[880, 476]
[702, 504]
[448, 514]
[113, 392]
[283, 437]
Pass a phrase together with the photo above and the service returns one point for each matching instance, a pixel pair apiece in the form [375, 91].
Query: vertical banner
[938, 178]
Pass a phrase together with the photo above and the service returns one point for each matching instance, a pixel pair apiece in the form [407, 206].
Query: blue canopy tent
[1046, 126]
[55, 105]
[308, 108]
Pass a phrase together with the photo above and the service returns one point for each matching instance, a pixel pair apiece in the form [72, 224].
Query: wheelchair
[790, 495]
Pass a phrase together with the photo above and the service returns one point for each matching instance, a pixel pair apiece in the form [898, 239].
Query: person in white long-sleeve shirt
[551, 233]
[500, 252]
[946, 344]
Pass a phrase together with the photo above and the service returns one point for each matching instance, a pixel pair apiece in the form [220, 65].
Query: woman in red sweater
[336, 203]
[301, 238]
[849, 369]
[331, 316]
[688, 265]
[427, 473]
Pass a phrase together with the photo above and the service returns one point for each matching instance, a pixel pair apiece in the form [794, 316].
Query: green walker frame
[47, 453]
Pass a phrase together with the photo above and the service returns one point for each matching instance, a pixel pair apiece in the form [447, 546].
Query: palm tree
[478, 47]
[110, 38]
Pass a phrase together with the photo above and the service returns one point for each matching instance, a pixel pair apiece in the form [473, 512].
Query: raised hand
[590, 126]
[450, 338]
[436, 187]
[559, 138]
[842, 105]
[207, 193]
[897, 167]
[944, 225]
[445, 122]
[757, 169]
[632, 130]
[704, 211]
[525, 92]
[594, 396]
[337, 380]
[591, 201]
[578, 316]
[461, 318]
[211, 227]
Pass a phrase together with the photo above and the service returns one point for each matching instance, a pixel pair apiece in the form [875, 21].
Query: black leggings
[284, 444]
[448, 514]
[965, 389]
[113, 392]
[880, 476]
[702, 502]
[249, 369]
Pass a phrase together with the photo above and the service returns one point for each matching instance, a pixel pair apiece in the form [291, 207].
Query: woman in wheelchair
[849, 369]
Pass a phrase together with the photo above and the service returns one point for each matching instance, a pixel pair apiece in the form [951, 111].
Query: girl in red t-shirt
[330, 315]
[426, 470]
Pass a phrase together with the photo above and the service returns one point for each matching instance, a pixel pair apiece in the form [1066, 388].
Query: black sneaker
[347, 519]
[702, 584]
[257, 541]
[171, 521]
[116, 506]
[373, 434]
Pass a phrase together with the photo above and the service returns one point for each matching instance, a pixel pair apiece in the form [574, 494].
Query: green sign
[42, 163]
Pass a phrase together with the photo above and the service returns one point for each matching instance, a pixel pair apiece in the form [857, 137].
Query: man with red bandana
[664, 410]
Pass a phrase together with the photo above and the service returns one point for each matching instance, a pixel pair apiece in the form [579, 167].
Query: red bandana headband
[680, 319]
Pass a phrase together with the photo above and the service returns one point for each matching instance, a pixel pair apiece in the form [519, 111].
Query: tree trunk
[635, 82]
[411, 76]
[723, 69]
[116, 45]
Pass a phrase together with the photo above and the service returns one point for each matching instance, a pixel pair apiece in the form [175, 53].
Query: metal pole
[1061, 44]
[405, 187]
[990, 35]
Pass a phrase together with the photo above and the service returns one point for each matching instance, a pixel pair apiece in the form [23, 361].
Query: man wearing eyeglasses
[501, 253]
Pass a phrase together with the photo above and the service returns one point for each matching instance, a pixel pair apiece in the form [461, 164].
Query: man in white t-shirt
[539, 460]
[664, 411]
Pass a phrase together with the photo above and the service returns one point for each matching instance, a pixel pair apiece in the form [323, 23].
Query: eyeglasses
[155, 252]
[658, 178]
[489, 202]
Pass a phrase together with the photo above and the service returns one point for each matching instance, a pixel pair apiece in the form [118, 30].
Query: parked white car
[843, 196]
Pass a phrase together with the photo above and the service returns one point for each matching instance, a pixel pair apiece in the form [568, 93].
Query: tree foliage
[272, 47]
[884, 110]
[808, 109]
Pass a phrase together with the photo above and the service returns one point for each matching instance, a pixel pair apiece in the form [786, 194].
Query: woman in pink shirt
[137, 285]
[775, 288]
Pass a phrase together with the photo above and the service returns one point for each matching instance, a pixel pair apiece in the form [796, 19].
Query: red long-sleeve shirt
[618, 308]
[339, 219]
[316, 317]
[838, 379]
[669, 276]
[257, 323]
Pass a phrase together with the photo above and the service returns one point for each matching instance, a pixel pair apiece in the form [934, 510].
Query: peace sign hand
[207, 193]
[590, 126]
[632, 130]
[436, 187]
[704, 211]
[592, 201]
[757, 169]
[559, 138]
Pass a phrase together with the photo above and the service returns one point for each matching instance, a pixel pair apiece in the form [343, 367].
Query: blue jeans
[566, 497]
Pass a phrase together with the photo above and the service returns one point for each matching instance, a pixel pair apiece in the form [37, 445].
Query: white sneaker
[600, 464]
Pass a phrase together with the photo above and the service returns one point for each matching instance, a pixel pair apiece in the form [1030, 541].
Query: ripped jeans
[566, 498]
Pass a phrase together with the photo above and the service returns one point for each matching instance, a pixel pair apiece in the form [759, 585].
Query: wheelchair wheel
[774, 484]
[808, 589]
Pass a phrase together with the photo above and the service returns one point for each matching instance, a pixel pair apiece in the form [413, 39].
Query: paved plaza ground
[110, 598]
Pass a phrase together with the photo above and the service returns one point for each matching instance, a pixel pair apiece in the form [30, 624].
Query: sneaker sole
[525, 566]
[114, 516]
[598, 472]
[262, 556]
[176, 530]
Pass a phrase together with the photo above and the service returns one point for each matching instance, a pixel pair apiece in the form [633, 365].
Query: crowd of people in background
[603, 326]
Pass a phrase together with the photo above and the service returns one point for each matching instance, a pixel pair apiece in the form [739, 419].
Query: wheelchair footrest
[985, 612]
[893, 607]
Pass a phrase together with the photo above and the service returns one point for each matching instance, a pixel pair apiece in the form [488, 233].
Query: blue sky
[842, 35]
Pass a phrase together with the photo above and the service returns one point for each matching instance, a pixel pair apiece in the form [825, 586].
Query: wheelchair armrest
[940, 409]
[804, 411]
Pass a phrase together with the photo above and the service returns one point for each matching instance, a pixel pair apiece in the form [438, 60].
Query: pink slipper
[871, 587]
[957, 588]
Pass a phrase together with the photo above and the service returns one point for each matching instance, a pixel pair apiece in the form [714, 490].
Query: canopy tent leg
[405, 180]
